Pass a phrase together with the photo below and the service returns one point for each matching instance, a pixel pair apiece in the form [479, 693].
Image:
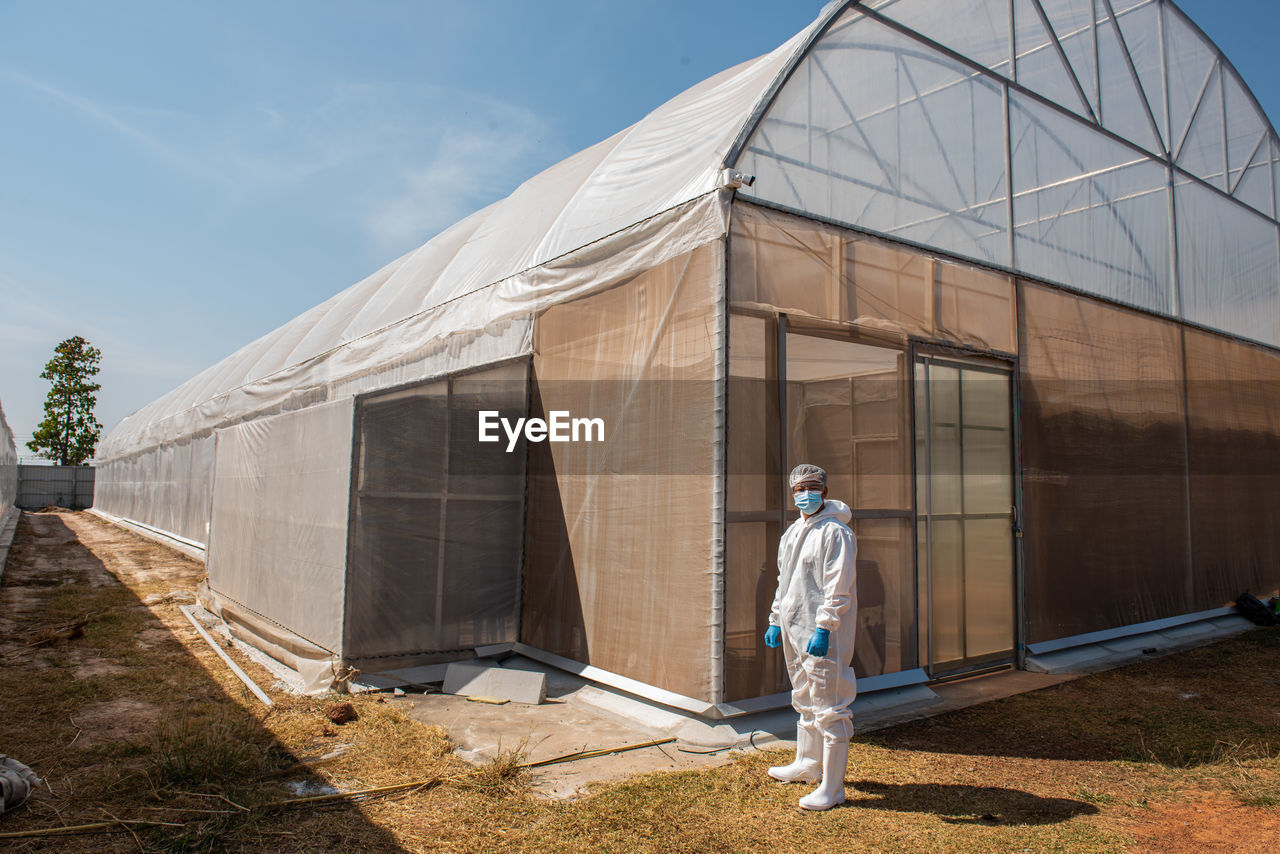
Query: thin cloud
[399, 163]
[474, 160]
[108, 119]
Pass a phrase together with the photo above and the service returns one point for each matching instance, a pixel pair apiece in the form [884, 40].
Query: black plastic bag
[1255, 610]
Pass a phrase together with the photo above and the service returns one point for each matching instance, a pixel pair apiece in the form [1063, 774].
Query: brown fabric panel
[1104, 466]
[886, 596]
[753, 439]
[751, 578]
[754, 486]
[1233, 405]
[618, 551]
[802, 267]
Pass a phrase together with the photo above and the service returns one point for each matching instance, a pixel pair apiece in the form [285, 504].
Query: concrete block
[479, 680]
[559, 682]
[366, 682]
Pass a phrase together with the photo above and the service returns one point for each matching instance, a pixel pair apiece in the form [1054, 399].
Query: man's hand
[773, 637]
[818, 643]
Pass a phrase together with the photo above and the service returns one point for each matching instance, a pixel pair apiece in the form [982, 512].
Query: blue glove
[818, 643]
[773, 637]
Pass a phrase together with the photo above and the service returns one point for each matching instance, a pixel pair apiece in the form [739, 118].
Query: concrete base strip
[1091, 638]
[1116, 652]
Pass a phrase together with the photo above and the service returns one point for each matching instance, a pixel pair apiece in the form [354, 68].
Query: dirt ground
[138, 728]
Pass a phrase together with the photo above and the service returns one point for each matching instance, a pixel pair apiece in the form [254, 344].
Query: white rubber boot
[835, 761]
[807, 767]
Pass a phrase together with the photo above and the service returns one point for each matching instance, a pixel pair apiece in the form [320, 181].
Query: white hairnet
[807, 472]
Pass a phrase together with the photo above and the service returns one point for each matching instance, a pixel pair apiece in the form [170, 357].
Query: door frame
[964, 357]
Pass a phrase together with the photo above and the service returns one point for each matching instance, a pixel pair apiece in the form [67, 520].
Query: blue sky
[177, 179]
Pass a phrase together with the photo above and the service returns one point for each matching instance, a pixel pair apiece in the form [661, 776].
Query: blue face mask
[808, 501]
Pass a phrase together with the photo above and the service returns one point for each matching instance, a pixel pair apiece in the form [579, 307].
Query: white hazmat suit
[817, 589]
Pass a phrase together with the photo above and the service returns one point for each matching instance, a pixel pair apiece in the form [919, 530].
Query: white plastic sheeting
[280, 519]
[167, 486]
[1058, 142]
[1089, 210]
[918, 156]
[1227, 261]
[8, 467]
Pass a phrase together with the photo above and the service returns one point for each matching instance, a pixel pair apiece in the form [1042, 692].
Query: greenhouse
[1008, 269]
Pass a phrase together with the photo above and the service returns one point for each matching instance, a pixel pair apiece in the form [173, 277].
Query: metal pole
[927, 397]
[441, 541]
[1097, 60]
[782, 418]
[719, 536]
[1019, 553]
[1008, 178]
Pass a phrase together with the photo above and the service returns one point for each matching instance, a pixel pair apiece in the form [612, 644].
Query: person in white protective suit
[814, 617]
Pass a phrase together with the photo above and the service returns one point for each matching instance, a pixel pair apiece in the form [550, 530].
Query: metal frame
[847, 332]
[1075, 116]
[924, 354]
[1066, 63]
[720, 492]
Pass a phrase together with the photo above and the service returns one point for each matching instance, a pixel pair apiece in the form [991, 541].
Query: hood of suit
[832, 507]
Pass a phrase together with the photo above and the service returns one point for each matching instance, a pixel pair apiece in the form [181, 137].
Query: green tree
[69, 432]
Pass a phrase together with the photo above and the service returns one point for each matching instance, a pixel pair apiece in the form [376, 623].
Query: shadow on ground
[958, 804]
[122, 721]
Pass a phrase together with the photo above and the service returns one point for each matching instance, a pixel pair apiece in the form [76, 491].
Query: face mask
[808, 501]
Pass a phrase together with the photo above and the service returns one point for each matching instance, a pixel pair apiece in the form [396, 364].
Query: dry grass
[137, 719]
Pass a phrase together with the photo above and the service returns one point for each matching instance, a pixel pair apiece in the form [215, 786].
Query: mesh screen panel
[1233, 405]
[1104, 466]
[438, 518]
[279, 518]
[802, 267]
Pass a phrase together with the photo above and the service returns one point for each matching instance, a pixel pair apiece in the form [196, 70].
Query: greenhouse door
[437, 518]
[964, 514]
